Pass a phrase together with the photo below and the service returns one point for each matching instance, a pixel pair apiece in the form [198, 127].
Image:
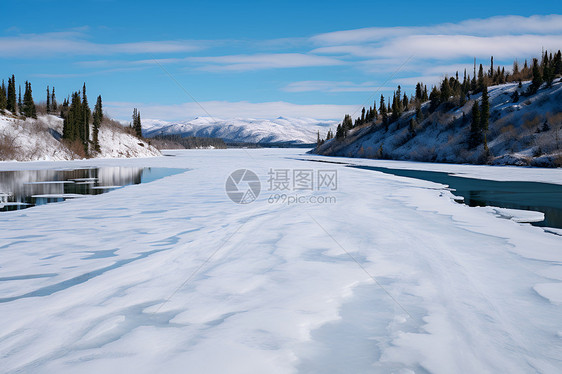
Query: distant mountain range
[244, 130]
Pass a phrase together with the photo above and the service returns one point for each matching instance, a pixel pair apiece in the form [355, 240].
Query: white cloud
[333, 86]
[263, 61]
[76, 43]
[500, 25]
[225, 109]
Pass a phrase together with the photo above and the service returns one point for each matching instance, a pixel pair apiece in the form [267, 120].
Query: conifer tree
[383, 112]
[137, 127]
[3, 98]
[475, 126]
[53, 100]
[11, 95]
[19, 99]
[537, 77]
[481, 81]
[28, 107]
[98, 118]
[48, 100]
[445, 90]
[86, 113]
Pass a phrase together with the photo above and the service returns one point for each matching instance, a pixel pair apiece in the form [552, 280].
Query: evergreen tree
[137, 127]
[53, 100]
[419, 113]
[28, 106]
[405, 102]
[11, 95]
[537, 77]
[475, 126]
[384, 113]
[419, 92]
[435, 98]
[48, 100]
[515, 96]
[445, 90]
[3, 98]
[19, 99]
[86, 113]
[481, 81]
[98, 118]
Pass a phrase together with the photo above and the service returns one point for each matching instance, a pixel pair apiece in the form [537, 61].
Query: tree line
[455, 92]
[80, 124]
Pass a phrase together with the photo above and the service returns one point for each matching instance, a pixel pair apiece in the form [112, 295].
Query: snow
[171, 276]
[39, 139]
[249, 130]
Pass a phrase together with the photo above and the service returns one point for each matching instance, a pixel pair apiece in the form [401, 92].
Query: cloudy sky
[176, 60]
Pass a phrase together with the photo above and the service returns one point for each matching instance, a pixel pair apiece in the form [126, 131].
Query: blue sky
[264, 59]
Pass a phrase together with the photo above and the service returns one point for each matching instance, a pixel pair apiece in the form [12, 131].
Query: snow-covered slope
[515, 133]
[279, 130]
[39, 139]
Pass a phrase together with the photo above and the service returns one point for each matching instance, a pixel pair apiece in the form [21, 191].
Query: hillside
[523, 131]
[40, 139]
[279, 130]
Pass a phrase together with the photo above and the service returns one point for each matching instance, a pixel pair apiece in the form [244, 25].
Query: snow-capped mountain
[247, 130]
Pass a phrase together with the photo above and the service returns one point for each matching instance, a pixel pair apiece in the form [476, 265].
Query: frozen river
[253, 261]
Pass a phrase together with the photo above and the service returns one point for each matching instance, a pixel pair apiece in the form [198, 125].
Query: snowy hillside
[517, 132]
[40, 139]
[279, 130]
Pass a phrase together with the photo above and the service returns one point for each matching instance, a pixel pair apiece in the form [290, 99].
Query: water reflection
[27, 188]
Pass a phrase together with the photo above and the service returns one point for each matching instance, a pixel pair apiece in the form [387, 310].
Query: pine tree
[537, 77]
[19, 100]
[28, 106]
[383, 112]
[11, 95]
[53, 100]
[137, 127]
[481, 81]
[98, 118]
[86, 113]
[3, 98]
[445, 90]
[48, 100]
[475, 126]
[515, 96]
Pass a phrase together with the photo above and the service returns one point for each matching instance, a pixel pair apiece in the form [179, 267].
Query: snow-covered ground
[249, 130]
[173, 277]
[39, 139]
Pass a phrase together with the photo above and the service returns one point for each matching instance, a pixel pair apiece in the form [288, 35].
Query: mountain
[523, 131]
[40, 139]
[279, 130]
